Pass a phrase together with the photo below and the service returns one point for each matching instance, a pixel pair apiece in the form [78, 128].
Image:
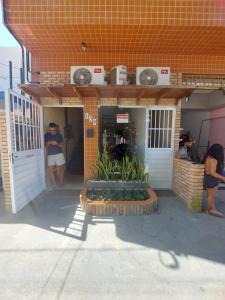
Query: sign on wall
[122, 118]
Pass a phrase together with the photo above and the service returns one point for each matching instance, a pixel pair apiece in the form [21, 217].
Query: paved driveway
[51, 250]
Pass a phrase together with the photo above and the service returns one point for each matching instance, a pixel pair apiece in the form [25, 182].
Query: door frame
[23, 153]
[43, 131]
[158, 107]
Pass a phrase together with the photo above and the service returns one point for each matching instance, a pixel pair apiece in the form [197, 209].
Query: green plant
[133, 169]
[107, 168]
[119, 195]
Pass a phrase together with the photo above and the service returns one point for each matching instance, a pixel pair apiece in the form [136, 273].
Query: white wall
[10, 54]
[199, 107]
[191, 120]
[204, 100]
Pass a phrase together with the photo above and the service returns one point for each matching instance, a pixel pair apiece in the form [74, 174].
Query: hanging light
[83, 46]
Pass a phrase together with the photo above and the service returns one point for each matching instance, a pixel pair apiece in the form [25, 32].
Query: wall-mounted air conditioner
[153, 76]
[118, 75]
[85, 75]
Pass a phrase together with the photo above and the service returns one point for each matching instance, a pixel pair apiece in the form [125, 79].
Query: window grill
[160, 128]
[26, 129]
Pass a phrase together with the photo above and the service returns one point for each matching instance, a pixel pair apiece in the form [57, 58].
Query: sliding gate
[26, 149]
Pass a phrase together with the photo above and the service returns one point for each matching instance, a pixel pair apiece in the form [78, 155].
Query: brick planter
[188, 183]
[118, 208]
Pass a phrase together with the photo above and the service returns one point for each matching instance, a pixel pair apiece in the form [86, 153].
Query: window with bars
[25, 119]
[160, 128]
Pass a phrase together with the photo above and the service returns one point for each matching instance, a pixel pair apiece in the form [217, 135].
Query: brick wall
[187, 177]
[51, 78]
[136, 102]
[188, 183]
[63, 77]
[192, 64]
[5, 162]
[70, 101]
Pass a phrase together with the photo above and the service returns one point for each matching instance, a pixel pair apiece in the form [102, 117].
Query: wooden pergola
[38, 91]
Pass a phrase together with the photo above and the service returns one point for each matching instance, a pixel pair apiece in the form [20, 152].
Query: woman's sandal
[215, 213]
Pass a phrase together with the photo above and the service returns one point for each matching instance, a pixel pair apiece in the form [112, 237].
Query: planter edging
[112, 207]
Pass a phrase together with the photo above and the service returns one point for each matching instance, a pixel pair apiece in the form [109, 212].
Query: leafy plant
[130, 169]
[105, 168]
[133, 169]
[119, 195]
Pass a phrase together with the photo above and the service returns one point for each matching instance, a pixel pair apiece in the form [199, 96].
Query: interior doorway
[69, 121]
[122, 131]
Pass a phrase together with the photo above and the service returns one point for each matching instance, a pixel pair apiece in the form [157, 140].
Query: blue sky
[6, 39]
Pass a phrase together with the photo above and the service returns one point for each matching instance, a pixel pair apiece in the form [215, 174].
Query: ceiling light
[83, 46]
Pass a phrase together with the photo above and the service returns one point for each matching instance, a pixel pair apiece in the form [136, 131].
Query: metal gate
[159, 146]
[26, 149]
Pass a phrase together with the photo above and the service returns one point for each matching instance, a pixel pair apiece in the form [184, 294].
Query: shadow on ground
[173, 229]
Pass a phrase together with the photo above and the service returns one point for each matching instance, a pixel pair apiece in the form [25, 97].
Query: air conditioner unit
[85, 75]
[153, 76]
[118, 75]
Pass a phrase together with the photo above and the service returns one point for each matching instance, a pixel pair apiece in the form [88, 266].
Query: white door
[26, 149]
[159, 146]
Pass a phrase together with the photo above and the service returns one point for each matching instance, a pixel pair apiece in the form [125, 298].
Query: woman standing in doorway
[214, 166]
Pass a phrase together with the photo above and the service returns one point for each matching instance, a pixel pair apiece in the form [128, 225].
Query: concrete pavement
[51, 250]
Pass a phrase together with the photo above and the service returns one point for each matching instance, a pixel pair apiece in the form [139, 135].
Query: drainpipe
[5, 22]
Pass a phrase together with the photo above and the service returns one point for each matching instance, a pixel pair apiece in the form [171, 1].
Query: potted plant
[118, 188]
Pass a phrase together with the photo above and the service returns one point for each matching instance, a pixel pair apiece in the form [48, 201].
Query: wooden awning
[108, 91]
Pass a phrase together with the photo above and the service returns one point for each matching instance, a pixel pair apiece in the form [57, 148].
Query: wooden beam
[54, 94]
[183, 95]
[118, 95]
[31, 93]
[77, 93]
[139, 95]
[162, 92]
[98, 93]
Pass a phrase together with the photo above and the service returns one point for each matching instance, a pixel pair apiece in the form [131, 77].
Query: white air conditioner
[153, 76]
[85, 75]
[118, 75]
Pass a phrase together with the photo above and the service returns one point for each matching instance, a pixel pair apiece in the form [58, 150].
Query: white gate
[26, 149]
[159, 146]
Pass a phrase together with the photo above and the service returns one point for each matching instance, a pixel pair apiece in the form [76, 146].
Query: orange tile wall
[178, 63]
[131, 12]
[90, 144]
[187, 35]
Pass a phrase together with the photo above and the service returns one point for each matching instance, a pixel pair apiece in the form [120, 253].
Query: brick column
[5, 162]
[188, 183]
[177, 127]
[90, 143]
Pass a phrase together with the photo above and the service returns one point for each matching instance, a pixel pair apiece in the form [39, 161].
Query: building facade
[186, 36]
